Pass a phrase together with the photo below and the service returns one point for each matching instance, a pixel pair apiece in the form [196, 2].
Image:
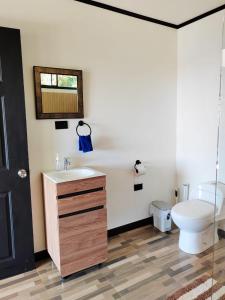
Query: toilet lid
[194, 209]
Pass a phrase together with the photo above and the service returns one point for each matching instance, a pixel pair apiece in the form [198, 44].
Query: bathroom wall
[130, 90]
[199, 55]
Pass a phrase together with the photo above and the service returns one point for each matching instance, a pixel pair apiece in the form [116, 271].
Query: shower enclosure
[208, 155]
[218, 270]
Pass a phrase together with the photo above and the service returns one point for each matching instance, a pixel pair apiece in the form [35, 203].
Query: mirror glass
[58, 93]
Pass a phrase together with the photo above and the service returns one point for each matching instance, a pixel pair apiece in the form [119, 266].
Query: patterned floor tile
[143, 264]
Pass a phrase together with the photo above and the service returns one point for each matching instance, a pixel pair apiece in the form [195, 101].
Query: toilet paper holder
[138, 162]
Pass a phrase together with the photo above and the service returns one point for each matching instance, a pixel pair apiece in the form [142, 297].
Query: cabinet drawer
[83, 240]
[81, 202]
[80, 185]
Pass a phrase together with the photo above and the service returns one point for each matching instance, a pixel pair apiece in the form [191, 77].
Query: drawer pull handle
[81, 211]
[80, 193]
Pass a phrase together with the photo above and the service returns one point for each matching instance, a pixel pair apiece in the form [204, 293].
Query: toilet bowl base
[197, 242]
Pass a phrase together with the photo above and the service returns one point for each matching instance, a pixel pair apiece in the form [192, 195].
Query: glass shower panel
[219, 246]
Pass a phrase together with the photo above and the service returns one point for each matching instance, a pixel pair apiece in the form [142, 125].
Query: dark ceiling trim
[202, 16]
[127, 13]
[149, 19]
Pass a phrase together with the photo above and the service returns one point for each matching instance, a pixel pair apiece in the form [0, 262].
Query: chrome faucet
[67, 163]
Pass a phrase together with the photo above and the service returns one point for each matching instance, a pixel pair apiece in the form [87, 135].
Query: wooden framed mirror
[58, 93]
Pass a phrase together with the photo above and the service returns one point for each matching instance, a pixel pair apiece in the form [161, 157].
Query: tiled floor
[142, 264]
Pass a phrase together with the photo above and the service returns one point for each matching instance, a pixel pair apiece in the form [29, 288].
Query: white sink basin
[72, 174]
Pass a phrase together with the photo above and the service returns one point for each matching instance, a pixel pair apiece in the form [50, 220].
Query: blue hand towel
[85, 143]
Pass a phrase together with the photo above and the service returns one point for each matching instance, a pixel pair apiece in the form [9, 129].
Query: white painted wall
[130, 99]
[199, 57]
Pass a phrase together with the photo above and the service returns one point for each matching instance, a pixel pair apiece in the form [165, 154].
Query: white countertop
[72, 174]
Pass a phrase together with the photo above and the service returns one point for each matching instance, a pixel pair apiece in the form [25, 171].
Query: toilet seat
[193, 209]
[193, 215]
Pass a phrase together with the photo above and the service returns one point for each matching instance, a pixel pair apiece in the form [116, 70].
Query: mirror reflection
[59, 93]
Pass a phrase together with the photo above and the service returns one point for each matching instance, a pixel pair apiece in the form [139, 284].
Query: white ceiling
[173, 11]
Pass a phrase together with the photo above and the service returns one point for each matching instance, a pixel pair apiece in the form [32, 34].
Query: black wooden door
[16, 237]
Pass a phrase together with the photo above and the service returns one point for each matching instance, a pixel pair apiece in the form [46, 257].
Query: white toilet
[195, 218]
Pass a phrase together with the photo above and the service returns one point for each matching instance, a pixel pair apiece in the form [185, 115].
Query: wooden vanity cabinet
[76, 223]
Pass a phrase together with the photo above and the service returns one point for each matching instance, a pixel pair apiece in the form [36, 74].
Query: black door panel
[3, 138]
[16, 242]
[6, 228]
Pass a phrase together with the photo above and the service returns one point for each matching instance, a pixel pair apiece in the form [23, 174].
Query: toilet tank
[206, 192]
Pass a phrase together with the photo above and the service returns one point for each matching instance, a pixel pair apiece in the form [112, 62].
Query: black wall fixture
[61, 124]
[82, 123]
[149, 19]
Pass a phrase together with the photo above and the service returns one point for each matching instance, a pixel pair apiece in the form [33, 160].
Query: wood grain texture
[79, 241]
[83, 241]
[51, 220]
[81, 202]
[80, 185]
